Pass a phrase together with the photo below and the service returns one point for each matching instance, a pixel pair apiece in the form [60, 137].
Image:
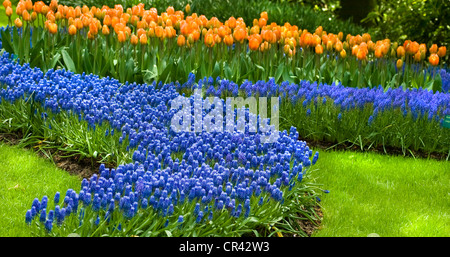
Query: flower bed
[196, 181]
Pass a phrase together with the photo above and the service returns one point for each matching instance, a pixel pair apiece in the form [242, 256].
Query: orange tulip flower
[433, 49]
[231, 22]
[418, 56]
[442, 51]
[228, 40]
[319, 49]
[143, 39]
[26, 15]
[121, 36]
[105, 30]
[8, 11]
[181, 40]
[170, 10]
[209, 40]
[400, 51]
[18, 22]
[412, 48]
[253, 43]
[188, 8]
[264, 15]
[433, 59]
[72, 30]
[338, 46]
[239, 34]
[399, 64]
[6, 3]
[53, 28]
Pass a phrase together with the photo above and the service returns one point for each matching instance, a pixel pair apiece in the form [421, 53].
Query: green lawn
[387, 195]
[25, 176]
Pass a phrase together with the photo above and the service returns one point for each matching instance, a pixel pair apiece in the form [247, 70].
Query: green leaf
[150, 75]
[35, 55]
[54, 60]
[16, 42]
[279, 72]
[87, 61]
[6, 41]
[70, 65]
[26, 44]
[216, 71]
[260, 67]
[437, 85]
[228, 72]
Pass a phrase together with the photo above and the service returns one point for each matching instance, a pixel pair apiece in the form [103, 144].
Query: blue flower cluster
[418, 102]
[445, 76]
[218, 170]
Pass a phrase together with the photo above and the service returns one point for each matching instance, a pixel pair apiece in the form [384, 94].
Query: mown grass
[25, 176]
[387, 195]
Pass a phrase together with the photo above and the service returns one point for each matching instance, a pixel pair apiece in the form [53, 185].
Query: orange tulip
[181, 40]
[53, 28]
[8, 11]
[18, 22]
[399, 64]
[78, 23]
[26, 15]
[107, 20]
[423, 48]
[231, 22]
[33, 16]
[343, 53]
[188, 8]
[264, 15]
[433, 49]
[45, 10]
[361, 54]
[442, 51]
[121, 36]
[253, 43]
[412, 48]
[433, 59]
[286, 49]
[228, 40]
[355, 49]
[400, 51]
[72, 30]
[417, 56]
[319, 31]
[6, 3]
[338, 46]
[28, 5]
[105, 30]
[262, 22]
[378, 52]
[170, 10]
[143, 39]
[159, 32]
[319, 49]
[329, 45]
[93, 28]
[209, 40]
[239, 34]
